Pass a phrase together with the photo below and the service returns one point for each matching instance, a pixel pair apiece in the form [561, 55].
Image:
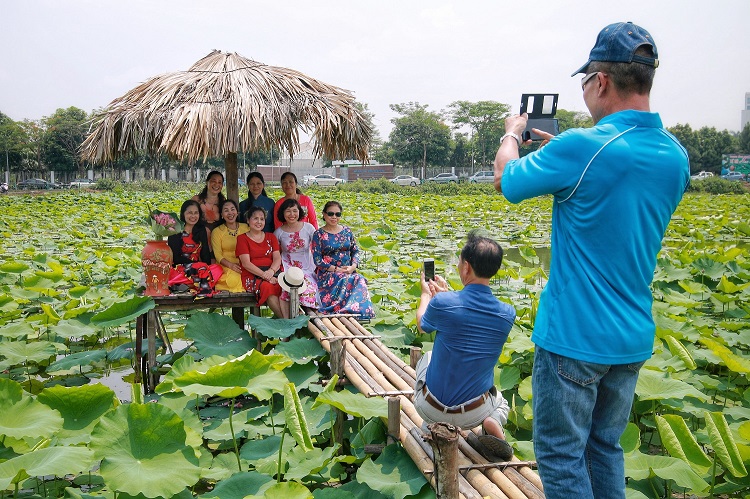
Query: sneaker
[490, 447]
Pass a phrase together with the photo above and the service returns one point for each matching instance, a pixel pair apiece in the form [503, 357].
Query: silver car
[484, 177]
[443, 178]
[324, 179]
[406, 180]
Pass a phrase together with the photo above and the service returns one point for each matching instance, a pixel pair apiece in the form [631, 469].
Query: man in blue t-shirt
[615, 187]
[455, 382]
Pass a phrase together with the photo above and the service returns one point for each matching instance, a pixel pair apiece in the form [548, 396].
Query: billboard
[741, 162]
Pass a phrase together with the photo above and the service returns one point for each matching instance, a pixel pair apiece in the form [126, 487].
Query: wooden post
[443, 439]
[293, 301]
[230, 170]
[338, 355]
[394, 419]
[415, 353]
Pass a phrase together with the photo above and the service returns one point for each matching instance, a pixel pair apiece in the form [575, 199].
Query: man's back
[615, 186]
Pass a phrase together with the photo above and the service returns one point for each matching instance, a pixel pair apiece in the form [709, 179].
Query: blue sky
[85, 53]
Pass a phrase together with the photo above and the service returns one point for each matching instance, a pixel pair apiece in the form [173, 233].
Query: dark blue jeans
[580, 411]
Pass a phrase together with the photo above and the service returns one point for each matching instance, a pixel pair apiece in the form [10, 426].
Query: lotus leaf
[287, 490]
[680, 442]
[143, 451]
[216, 334]
[18, 352]
[277, 328]
[640, 466]
[307, 462]
[295, 419]
[77, 359]
[55, 461]
[17, 330]
[393, 473]
[355, 404]
[73, 329]
[122, 312]
[80, 407]
[723, 444]
[241, 485]
[300, 350]
[654, 385]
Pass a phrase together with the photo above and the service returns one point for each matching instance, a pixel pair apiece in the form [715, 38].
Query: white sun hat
[292, 278]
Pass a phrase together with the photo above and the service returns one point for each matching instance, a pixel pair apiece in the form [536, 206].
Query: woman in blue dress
[336, 255]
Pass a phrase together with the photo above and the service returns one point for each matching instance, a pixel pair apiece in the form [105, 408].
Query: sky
[85, 53]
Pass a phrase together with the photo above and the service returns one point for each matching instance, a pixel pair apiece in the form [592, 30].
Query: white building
[745, 117]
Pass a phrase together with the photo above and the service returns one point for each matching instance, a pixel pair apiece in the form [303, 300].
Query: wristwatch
[511, 134]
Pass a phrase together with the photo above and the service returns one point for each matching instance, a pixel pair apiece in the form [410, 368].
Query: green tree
[711, 145]
[376, 142]
[461, 156]
[419, 136]
[573, 119]
[12, 138]
[744, 140]
[486, 119]
[66, 129]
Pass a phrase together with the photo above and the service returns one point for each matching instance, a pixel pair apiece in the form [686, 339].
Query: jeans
[580, 411]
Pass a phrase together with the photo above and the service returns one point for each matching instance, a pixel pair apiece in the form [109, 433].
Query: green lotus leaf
[73, 329]
[252, 373]
[678, 350]
[17, 352]
[744, 430]
[122, 312]
[7, 303]
[287, 490]
[393, 473]
[277, 328]
[640, 466]
[84, 358]
[680, 442]
[723, 443]
[304, 375]
[17, 330]
[727, 286]
[216, 334]
[355, 404]
[294, 416]
[307, 462]
[143, 451]
[710, 268]
[28, 417]
[13, 267]
[80, 407]
[54, 461]
[734, 362]
[630, 439]
[241, 485]
[78, 291]
[11, 392]
[654, 385]
[366, 242]
[255, 450]
[300, 350]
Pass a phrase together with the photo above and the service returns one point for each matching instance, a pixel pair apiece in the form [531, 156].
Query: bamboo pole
[443, 439]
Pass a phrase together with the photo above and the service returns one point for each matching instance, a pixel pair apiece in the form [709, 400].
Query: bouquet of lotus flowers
[163, 223]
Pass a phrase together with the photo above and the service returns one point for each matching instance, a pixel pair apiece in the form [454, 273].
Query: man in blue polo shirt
[615, 187]
[455, 382]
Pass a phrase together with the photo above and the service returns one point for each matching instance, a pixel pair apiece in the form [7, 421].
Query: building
[745, 117]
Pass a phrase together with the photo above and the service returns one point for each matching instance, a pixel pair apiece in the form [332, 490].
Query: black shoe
[490, 447]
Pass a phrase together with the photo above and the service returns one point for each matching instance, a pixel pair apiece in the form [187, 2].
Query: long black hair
[286, 174]
[204, 193]
[259, 176]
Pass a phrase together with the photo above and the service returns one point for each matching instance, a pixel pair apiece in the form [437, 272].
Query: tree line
[464, 136]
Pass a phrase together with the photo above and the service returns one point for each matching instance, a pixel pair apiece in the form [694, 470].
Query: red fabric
[307, 205]
[261, 255]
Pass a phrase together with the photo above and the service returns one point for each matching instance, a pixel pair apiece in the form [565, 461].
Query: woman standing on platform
[256, 196]
[294, 240]
[210, 199]
[291, 191]
[342, 290]
[224, 244]
[260, 259]
[191, 254]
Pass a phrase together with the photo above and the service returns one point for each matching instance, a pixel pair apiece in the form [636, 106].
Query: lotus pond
[231, 422]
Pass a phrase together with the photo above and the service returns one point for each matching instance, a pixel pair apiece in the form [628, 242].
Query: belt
[453, 410]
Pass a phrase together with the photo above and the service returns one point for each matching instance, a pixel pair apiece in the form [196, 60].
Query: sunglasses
[336, 214]
[586, 79]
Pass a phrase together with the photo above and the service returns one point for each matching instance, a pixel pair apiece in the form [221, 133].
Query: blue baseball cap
[618, 43]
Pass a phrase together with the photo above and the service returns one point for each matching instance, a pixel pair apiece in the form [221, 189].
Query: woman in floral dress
[336, 255]
[294, 241]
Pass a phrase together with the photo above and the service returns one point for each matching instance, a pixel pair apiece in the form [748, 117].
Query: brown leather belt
[454, 410]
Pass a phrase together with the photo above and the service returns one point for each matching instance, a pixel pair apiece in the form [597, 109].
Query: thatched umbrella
[224, 104]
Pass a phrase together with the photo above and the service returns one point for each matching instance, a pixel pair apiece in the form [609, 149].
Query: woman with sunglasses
[336, 255]
[291, 191]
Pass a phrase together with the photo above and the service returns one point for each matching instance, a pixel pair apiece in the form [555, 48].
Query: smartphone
[429, 269]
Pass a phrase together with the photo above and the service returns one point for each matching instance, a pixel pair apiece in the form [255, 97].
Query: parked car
[701, 175]
[734, 176]
[37, 183]
[406, 180]
[82, 182]
[485, 176]
[443, 178]
[322, 179]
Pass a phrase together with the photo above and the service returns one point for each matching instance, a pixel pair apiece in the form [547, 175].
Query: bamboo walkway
[376, 371]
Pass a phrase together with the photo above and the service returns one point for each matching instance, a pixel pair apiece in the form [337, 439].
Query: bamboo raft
[376, 371]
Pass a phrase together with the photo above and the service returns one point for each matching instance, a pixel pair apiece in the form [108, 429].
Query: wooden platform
[376, 371]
